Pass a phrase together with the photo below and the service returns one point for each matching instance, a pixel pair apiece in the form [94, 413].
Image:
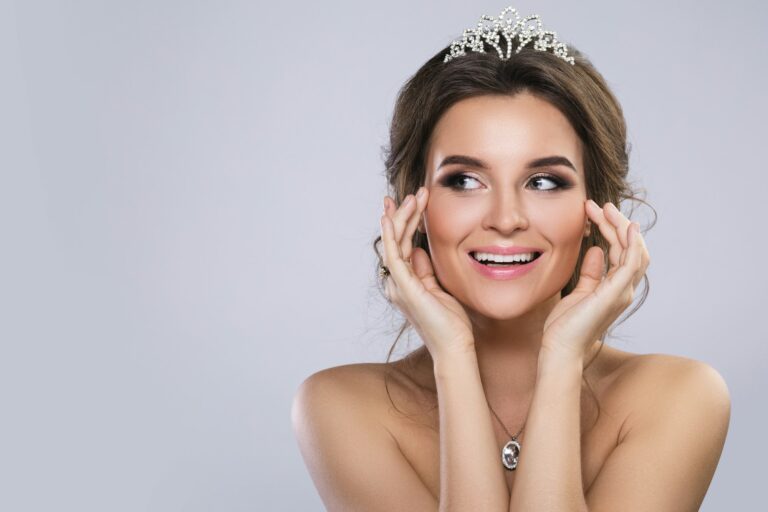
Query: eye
[542, 182]
[454, 181]
[555, 182]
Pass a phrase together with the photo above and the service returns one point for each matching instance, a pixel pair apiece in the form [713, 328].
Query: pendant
[510, 454]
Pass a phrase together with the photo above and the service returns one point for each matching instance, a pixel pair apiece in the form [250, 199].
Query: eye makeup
[454, 180]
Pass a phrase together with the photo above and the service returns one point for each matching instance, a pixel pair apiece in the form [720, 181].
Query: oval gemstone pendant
[509, 454]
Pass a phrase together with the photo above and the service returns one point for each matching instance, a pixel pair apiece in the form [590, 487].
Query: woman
[506, 252]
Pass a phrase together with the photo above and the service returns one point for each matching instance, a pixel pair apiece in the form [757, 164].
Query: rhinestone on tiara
[524, 29]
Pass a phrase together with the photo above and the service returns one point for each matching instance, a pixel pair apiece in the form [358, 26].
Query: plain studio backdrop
[189, 192]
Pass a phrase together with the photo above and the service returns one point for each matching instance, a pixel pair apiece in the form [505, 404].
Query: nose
[506, 213]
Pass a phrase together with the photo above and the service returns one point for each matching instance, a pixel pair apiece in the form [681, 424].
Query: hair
[578, 91]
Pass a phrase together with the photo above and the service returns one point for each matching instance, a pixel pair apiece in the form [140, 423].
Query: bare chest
[415, 426]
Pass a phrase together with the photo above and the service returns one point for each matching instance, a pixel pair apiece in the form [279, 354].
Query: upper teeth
[486, 256]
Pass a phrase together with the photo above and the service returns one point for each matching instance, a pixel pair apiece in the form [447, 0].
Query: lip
[498, 249]
[504, 273]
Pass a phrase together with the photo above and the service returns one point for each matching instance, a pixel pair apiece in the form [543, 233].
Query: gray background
[190, 190]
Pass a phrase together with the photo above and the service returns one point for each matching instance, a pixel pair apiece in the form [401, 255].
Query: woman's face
[510, 202]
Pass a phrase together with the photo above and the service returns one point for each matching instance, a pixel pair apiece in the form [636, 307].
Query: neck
[508, 353]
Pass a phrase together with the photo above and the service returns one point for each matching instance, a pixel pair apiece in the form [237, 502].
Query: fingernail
[420, 193]
[407, 200]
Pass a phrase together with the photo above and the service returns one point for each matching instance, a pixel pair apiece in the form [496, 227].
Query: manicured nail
[420, 193]
[408, 199]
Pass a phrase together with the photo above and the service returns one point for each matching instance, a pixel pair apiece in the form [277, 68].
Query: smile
[495, 266]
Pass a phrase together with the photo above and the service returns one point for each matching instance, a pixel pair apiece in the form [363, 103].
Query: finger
[400, 215]
[406, 243]
[645, 259]
[618, 221]
[635, 236]
[591, 270]
[389, 210]
[400, 273]
[630, 272]
[422, 267]
[597, 215]
[619, 285]
[384, 258]
[387, 256]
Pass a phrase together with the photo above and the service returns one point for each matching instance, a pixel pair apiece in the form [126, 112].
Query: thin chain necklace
[511, 451]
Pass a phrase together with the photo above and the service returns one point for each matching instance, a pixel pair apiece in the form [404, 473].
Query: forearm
[549, 473]
[471, 475]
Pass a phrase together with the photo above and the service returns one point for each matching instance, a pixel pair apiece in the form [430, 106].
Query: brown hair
[578, 91]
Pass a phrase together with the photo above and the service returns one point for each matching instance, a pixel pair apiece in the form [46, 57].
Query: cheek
[566, 233]
[562, 221]
[448, 223]
[562, 224]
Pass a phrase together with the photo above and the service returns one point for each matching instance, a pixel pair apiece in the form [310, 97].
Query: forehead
[503, 131]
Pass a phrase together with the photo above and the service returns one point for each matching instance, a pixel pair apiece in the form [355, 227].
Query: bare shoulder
[356, 392]
[339, 431]
[679, 407]
[382, 395]
[660, 384]
[351, 380]
[654, 373]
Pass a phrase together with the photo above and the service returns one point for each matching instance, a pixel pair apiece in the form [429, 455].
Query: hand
[437, 316]
[581, 317]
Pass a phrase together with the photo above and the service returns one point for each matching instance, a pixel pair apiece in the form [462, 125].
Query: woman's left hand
[580, 318]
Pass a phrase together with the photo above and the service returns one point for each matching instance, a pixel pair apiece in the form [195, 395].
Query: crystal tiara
[509, 27]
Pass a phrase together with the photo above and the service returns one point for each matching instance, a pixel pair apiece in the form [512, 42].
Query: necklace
[511, 451]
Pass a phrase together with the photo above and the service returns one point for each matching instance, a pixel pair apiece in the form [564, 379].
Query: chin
[513, 305]
[504, 309]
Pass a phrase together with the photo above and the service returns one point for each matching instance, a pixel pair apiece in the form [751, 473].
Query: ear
[420, 226]
[588, 228]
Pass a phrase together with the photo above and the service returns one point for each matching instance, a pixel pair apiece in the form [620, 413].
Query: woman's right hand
[437, 316]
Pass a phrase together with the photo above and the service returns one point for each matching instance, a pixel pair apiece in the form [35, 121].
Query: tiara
[509, 27]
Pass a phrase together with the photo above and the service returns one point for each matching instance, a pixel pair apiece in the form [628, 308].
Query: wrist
[553, 361]
[453, 361]
[561, 351]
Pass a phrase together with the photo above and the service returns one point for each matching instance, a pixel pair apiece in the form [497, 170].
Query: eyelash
[452, 181]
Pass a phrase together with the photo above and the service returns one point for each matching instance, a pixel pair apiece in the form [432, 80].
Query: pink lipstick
[510, 271]
[499, 249]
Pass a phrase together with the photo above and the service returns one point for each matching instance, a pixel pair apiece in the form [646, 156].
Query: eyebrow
[546, 161]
